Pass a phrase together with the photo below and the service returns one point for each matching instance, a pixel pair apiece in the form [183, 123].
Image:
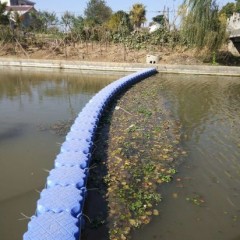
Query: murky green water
[30, 102]
[203, 201]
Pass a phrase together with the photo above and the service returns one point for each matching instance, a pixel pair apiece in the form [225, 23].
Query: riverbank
[116, 53]
[99, 52]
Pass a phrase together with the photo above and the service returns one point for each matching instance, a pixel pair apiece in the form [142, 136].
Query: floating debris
[142, 151]
[196, 200]
[61, 128]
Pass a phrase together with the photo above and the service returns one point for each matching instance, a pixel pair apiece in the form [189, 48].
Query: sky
[77, 6]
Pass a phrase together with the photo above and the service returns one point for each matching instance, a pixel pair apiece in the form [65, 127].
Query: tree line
[203, 26]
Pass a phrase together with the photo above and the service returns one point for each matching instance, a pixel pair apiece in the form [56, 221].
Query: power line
[171, 11]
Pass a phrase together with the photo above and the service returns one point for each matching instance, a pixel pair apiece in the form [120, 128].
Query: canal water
[203, 200]
[31, 103]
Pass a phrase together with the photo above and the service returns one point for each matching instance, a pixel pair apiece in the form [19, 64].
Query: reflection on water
[27, 101]
[209, 110]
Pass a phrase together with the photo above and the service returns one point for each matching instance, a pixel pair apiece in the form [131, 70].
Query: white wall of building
[233, 22]
[6, 1]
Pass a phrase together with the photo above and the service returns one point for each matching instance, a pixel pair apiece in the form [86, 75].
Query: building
[21, 9]
[18, 2]
[233, 28]
[154, 27]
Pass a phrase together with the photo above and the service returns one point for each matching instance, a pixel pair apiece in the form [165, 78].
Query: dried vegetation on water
[142, 146]
[60, 128]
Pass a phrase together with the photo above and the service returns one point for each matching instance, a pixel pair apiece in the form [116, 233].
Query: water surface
[209, 109]
[31, 102]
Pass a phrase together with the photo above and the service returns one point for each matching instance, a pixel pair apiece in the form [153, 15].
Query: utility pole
[166, 17]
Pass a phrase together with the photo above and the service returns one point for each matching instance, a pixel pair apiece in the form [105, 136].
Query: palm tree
[138, 15]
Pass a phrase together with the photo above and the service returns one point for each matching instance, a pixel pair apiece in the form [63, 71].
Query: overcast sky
[78, 6]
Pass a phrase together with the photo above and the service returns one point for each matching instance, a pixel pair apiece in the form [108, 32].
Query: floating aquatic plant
[142, 148]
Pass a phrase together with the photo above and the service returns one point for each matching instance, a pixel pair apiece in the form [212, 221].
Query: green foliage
[214, 58]
[5, 33]
[202, 27]
[196, 200]
[36, 23]
[17, 19]
[167, 176]
[139, 158]
[78, 27]
[237, 6]
[141, 199]
[97, 12]
[67, 21]
[45, 21]
[120, 22]
[159, 19]
[228, 9]
[143, 39]
[138, 15]
[3, 17]
[145, 112]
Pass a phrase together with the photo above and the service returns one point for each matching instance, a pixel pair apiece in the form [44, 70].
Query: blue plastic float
[59, 209]
[53, 226]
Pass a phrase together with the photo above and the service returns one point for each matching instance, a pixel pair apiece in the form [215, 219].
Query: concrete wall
[124, 67]
[234, 47]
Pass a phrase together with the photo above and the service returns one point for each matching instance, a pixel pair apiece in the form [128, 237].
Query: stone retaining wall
[126, 67]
